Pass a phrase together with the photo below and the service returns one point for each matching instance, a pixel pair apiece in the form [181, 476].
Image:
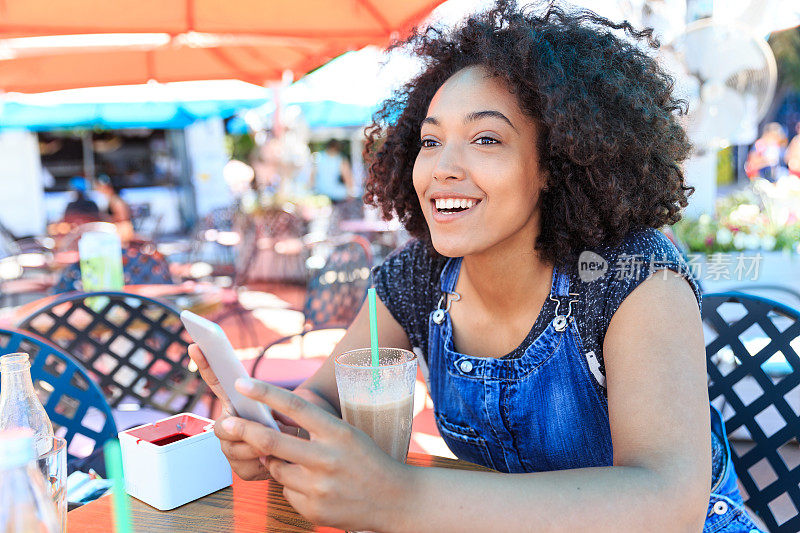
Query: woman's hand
[248, 463]
[339, 477]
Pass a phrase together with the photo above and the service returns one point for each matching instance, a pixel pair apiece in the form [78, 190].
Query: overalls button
[466, 367]
[720, 508]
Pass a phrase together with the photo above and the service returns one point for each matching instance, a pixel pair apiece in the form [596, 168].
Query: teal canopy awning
[146, 106]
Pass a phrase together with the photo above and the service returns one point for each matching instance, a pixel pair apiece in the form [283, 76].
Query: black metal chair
[752, 347]
[134, 347]
[272, 249]
[76, 406]
[142, 264]
[335, 293]
[206, 245]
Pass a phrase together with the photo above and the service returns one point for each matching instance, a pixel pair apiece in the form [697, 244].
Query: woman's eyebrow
[472, 117]
[477, 115]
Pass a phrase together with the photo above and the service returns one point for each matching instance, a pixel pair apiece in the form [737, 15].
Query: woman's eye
[428, 143]
[487, 140]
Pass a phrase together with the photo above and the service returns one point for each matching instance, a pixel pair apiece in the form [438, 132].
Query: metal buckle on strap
[560, 321]
[438, 315]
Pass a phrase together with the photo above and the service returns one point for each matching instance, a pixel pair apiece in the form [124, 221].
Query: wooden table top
[244, 507]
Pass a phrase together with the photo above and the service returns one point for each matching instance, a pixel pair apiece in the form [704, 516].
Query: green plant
[764, 216]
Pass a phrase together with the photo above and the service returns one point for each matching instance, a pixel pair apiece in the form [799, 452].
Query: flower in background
[763, 216]
[751, 242]
[724, 236]
[744, 215]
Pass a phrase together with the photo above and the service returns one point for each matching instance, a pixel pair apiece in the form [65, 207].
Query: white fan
[730, 76]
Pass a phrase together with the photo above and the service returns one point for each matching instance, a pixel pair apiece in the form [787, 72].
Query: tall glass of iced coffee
[379, 400]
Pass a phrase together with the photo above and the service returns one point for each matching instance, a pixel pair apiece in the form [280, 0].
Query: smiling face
[477, 174]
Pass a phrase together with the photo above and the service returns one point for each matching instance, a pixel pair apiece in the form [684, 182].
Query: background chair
[142, 264]
[272, 249]
[779, 293]
[752, 346]
[23, 267]
[134, 347]
[215, 238]
[73, 402]
[334, 296]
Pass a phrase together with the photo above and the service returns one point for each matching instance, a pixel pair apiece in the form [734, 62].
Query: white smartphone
[223, 361]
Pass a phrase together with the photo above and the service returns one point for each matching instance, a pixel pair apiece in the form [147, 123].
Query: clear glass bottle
[19, 405]
[25, 504]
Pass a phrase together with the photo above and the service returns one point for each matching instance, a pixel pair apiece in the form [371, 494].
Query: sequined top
[408, 285]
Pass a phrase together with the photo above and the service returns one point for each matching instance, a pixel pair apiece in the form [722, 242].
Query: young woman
[532, 159]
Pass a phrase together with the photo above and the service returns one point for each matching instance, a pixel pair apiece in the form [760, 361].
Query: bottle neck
[15, 375]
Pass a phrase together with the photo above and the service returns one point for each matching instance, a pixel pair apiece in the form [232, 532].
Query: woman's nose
[448, 165]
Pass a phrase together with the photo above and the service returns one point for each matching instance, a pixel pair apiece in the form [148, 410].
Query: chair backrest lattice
[752, 347]
[273, 233]
[336, 292]
[74, 403]
[277, 223]
[136, 348]
[220, 218]
[142, 264]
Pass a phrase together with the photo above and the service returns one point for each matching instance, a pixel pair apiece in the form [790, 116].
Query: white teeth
[454, 203]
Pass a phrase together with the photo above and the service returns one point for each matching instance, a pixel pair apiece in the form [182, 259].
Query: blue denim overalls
[541, 411]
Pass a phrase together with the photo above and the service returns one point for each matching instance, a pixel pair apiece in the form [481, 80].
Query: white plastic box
[173, 461]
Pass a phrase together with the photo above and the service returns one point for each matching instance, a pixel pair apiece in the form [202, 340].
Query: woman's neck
[504, 277]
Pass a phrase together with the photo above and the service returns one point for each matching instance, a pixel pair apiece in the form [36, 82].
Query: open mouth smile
[452, 208]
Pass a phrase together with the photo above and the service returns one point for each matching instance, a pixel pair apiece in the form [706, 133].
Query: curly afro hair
[609, 137]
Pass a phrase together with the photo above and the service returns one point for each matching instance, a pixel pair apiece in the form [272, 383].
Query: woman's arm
[120, 212]
[658, 406]
[347, 175]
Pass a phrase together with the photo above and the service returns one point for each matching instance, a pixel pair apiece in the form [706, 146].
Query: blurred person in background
[766, 158]
[118, 211]
[331, 174]
[81, 209]
[792, 156]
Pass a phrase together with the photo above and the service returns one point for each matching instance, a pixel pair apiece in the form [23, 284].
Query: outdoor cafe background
[133, 100]
[166, 145]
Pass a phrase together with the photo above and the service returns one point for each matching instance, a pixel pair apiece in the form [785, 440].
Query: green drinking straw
[122, 514]
[373, 331]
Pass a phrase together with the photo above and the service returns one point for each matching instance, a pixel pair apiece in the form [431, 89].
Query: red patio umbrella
[251, 40]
